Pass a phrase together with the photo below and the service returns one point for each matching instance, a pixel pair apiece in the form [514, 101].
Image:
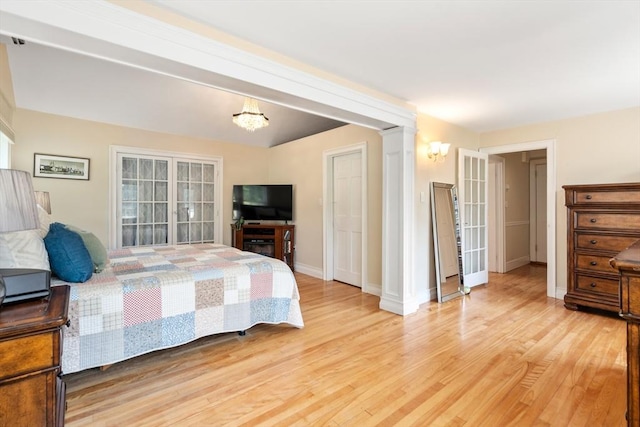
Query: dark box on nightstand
[25, 283]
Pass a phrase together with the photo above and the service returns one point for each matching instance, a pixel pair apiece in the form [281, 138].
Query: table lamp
[18, 211]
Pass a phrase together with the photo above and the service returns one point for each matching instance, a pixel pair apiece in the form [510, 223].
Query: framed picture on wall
[65, 167]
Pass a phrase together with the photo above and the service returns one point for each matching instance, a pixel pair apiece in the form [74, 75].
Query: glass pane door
[473, 210]
[143, 214]
[195, 197]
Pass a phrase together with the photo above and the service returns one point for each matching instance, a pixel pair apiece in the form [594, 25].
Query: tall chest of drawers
[602, 220]
[628, 263]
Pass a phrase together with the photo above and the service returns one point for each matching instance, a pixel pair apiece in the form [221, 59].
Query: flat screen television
[263, 202]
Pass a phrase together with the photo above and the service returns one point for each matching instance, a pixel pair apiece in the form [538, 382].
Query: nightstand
[31, 390]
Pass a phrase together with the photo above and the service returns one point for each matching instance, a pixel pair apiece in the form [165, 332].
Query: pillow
[96, 249]
[45, 221]
[23, 249]
[68, 256]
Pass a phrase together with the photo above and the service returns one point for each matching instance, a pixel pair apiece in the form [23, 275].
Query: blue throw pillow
[68, 256]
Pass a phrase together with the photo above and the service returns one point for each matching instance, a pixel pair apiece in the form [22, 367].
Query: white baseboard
[425, 295]
[373, 289]
[308, 270]
[518, 262]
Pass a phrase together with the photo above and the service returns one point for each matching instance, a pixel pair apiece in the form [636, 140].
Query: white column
[399, 290]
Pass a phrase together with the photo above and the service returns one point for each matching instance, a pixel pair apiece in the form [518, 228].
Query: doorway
[549, 146]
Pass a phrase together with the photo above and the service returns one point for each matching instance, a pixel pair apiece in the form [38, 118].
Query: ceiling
[483, 65]
[87, 88]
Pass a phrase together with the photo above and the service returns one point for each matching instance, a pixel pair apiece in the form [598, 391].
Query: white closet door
[347, 218]
[473, 177]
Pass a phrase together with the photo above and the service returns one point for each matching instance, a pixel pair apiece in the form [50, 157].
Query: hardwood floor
[505, 355]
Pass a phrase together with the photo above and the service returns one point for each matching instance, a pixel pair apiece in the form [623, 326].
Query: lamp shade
[42, 199]
[18, 209]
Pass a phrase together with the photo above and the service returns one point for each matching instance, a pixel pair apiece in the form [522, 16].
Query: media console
[275, 241]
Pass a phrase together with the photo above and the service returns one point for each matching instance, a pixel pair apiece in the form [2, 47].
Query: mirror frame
[453, 195]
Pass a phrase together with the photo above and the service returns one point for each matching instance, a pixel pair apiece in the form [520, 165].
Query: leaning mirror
[446, 241]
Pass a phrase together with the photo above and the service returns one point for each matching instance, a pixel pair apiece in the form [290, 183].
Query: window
[165, 199]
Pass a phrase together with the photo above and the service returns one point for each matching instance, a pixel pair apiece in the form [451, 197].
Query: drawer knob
[588, 197]
[593, 263]
[594, 241]
[593, 220]
[593, 285]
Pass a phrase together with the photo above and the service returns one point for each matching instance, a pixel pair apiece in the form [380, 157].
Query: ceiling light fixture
[250, 118]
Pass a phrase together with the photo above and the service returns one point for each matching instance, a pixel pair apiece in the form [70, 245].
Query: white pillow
[45, 221]
[23, 249]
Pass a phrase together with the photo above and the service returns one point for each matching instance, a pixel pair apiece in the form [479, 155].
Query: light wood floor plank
[505, 355]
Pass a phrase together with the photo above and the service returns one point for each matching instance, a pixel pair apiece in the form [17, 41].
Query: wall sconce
[438, 150]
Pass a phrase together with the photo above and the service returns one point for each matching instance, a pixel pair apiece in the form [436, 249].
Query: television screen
[263, 202]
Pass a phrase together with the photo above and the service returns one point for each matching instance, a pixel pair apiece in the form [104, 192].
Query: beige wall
[85, 203]
[300, 163]
[432, 129]
[599, 148]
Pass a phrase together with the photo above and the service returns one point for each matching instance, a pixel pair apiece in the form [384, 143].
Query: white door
[473, 176]
[538, 201]
[143, 200]
[194, 206]
[347, 218]
[162, 200]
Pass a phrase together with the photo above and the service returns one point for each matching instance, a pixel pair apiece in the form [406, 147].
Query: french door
[472, 197]
[164, 200]
[195, 206]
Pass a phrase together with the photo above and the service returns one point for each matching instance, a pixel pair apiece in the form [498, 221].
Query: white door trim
[327, 211]
[550, 146]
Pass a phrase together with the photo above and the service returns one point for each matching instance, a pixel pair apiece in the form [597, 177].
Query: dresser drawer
[596, 284]
[609, 221]
[595, 263]
[603, 242]
[594, 197]
[27, 354]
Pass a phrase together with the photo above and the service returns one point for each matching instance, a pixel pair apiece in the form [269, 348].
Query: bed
[152, 298]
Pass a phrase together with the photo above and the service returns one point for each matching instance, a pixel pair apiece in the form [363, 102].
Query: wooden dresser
[628, 263]
[602, 220]
[31, 391]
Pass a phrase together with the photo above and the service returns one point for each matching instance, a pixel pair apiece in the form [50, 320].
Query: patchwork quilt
[151, 298]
